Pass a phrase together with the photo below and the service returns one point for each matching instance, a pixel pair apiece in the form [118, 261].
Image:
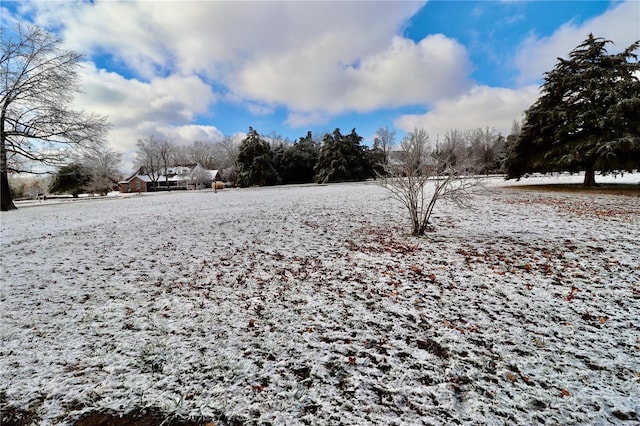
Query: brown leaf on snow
[564, 393]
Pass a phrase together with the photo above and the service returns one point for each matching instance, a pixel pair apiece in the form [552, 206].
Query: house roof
[143, 178]
[213, 174]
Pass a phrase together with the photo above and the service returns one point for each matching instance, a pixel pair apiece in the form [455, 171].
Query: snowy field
[313, 305]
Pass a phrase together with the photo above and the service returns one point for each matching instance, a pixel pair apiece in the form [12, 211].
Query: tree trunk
[6, 201]
[589, 178]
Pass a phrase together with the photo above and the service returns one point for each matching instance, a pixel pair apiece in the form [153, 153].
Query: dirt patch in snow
[16, 417]
[627, 189]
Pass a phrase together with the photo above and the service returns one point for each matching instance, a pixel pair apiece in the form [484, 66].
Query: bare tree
[203, 153]
[149, 159]
[415, 182]
[452, 151]
[483, 145]
[275, 139]
[414, 149]
[384, 140]
[200, 176]
[229, 148]
[198, 152]
[165, 149]
[29, 186]
[103, 165]
[38, 81]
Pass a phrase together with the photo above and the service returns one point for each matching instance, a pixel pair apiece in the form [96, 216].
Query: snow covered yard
[313, 305]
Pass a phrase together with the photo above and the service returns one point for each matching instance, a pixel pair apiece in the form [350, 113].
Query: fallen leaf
[572, 294]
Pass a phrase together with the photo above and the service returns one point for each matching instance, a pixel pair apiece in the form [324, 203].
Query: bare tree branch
[38, 80]
[414, 181]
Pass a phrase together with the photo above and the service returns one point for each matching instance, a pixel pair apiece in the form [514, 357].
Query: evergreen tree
[278, 158]
[331, 166]
[299, 161]
[71, 179]
[254, 163]
[586, 118]
[356, 154]
[342, 158]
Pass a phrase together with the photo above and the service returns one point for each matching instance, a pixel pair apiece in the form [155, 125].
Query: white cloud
[402, 73]
[190, 133]
[172, 99]
[482, 106]
[316, 59]
[163, 106]
[219, 37]
[620, 24]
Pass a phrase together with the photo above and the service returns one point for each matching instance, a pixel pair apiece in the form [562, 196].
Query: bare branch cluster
[418, 180]
[38, 81]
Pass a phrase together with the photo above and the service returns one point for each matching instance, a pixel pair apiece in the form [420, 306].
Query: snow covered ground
[313, 305]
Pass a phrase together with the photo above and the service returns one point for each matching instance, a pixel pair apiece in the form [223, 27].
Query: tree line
[335, 157]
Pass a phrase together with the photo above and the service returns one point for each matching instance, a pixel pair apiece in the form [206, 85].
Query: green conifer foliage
[587, 117]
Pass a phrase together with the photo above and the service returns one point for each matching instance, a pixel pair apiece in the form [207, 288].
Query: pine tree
[342, 158]
[299, 160]
[586, 117]
[254, 164]
[71, 179]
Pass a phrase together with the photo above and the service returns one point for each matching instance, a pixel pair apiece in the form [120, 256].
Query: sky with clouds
[199, 70]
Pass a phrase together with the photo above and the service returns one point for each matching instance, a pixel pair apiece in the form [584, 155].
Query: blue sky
[204, 69]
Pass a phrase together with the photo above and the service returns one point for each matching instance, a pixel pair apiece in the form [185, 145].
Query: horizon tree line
[275, 160]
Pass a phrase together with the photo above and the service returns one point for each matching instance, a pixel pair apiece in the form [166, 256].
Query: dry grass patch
[627, 189]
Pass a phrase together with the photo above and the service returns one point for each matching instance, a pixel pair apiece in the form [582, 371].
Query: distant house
[192, 176]
[138, 182]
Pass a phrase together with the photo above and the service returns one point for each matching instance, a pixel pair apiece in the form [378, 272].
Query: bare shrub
[417, 180]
